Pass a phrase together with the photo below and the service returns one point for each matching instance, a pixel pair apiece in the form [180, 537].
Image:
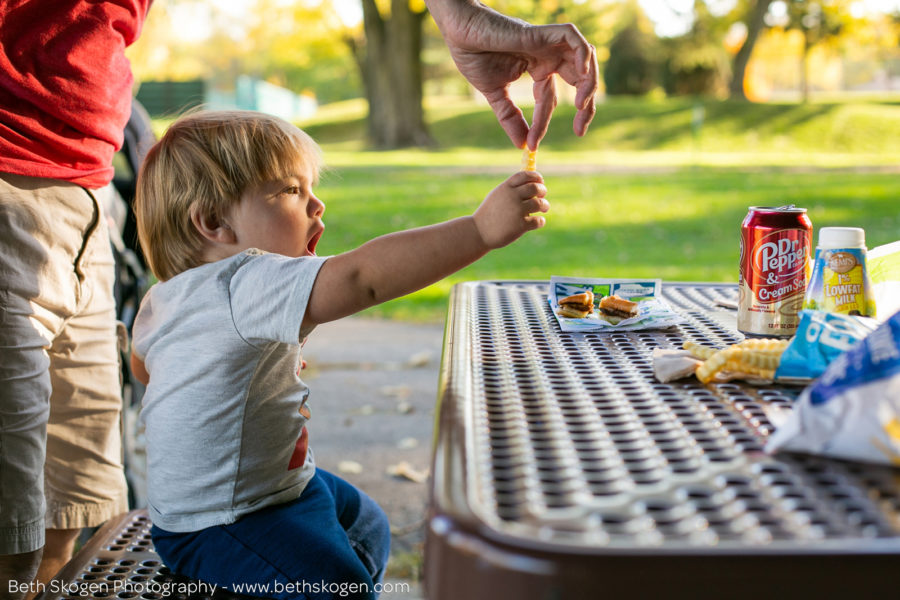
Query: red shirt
[65, 86]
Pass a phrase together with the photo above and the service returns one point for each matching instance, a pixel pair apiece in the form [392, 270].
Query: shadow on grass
[645, 124]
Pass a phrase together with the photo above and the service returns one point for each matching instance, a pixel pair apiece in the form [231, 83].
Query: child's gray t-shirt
[222, 345]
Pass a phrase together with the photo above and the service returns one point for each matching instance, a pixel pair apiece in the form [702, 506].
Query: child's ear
[212, 227]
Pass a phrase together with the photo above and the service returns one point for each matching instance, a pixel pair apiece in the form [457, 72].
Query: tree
[819, 22]
[633, 67]
[390, 62]
[297, 46]
[697, 63]
[391, 70]
[755, 20]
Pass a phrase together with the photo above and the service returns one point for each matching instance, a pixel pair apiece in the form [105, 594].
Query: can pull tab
[787, 207]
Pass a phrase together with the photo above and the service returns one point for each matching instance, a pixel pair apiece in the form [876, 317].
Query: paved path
[373, 390]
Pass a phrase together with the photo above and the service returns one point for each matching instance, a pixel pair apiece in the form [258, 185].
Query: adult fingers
[544, 104]
[584, 52]
[555, 36]
[577, 66]
[510, 116]
[586, 87]
[583, 119]
[585, 97]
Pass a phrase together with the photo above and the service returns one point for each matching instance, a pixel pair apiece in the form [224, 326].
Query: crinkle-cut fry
[529, 160]
[760, 359]
[756, 356]
[768, 344]
[714, 364]
[741, 365]
[701, 352]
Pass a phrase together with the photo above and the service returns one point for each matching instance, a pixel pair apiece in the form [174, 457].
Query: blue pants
[333, 541]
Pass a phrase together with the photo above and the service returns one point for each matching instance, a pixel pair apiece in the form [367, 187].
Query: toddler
[229, 223]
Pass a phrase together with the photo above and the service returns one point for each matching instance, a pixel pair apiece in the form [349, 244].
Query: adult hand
[492, 50]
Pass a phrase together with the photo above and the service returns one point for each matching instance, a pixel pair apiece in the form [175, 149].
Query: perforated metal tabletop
[564, 469]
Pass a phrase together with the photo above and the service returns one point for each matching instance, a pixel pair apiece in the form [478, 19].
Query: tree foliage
[299, 46]
[633, 66]
[820, 22]
[697, 63]
[304, 46]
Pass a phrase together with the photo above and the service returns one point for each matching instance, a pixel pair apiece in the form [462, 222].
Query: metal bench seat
[119, 562]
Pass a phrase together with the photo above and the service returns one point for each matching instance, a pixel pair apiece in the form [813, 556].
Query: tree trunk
[804, 67]
[391, 70]
[755, 24]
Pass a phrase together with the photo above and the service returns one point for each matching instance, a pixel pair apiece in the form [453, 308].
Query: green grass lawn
[643, 132]
[682, 224]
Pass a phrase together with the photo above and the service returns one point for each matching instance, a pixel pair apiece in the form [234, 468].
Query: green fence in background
[168, 98]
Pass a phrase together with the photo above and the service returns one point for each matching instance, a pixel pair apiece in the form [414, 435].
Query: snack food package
[853, 410]
[884, 272]
[652, 311]
[821, 337]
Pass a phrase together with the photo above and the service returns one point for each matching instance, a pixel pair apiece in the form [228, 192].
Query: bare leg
[57, 551]
[17, 572]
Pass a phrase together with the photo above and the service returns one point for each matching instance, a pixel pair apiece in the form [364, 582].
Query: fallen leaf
[406, 471]
[350, 466]
[408, 443]
[396, 391]
[420, 359]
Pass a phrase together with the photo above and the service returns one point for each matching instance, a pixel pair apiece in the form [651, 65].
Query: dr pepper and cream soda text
[775, 265]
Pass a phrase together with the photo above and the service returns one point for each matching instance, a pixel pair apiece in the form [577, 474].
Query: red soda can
[775, 265]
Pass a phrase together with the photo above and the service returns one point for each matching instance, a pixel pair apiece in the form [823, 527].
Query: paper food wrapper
[853, 410]
[653, 311]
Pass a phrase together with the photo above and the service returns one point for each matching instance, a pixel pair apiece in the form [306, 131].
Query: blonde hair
[205, 162]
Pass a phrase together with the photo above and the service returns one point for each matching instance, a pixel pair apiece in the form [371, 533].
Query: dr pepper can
[775, 265]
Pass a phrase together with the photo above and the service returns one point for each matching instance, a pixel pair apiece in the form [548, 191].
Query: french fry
[529, 160]
[698, 351]
[715, 363]
[751, 358]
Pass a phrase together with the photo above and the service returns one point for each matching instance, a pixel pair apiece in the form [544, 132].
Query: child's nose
[316, 207]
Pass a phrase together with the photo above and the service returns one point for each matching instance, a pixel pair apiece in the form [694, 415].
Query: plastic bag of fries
[853, 410]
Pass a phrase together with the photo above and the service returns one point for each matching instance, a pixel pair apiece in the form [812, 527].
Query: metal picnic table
[563, 469]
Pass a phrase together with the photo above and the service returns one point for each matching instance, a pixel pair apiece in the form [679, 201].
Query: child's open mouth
[313, 242]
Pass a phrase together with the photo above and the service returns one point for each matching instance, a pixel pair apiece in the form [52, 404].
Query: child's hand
[508, 211]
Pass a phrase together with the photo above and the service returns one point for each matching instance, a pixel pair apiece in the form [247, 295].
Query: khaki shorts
[60, 395]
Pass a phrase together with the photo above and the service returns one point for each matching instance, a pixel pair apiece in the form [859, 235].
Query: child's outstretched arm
[403, 262]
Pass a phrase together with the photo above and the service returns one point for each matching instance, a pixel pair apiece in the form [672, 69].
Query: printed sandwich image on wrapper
[652, 312]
